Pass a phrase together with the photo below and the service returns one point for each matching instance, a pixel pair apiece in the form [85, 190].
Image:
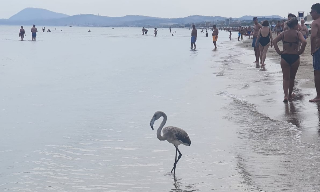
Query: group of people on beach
[194, 36]
[293, 37]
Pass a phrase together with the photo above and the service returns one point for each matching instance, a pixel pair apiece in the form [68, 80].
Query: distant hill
[44, 17]
[248, 17]
[29, 14]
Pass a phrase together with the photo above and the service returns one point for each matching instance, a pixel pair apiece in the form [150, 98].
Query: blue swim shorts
[316, 60]
[34, 35]
[254, 42]
[193, 39]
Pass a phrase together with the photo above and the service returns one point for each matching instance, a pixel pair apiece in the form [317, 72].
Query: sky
[161, 8]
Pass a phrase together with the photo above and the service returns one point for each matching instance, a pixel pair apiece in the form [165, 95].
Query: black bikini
[264, 40]
[290, 58]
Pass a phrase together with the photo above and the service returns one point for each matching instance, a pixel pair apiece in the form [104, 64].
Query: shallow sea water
[75, 109]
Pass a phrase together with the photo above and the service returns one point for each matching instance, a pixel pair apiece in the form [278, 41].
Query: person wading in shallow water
[194, 35]
[290, 56]
[215, 36]
[34, 31]
[315, 47]
[22, 33]
[256, 29]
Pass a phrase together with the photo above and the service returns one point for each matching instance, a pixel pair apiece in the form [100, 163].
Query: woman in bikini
[290, 56]
[264, 40]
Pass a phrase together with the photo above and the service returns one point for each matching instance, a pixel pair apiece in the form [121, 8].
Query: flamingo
[173, 135]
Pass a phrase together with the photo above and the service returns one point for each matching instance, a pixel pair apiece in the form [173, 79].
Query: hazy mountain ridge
[36, 16]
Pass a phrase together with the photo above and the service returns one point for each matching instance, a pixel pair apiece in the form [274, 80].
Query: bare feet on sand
[291, 97]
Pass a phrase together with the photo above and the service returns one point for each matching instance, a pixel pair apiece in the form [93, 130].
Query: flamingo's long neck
[160, 137]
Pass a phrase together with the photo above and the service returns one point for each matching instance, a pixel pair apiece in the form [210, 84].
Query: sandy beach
[305, 73]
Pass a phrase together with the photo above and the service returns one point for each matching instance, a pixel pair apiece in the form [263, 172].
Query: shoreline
[305, 76]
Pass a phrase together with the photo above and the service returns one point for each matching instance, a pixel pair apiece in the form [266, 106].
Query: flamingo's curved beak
[151, 123]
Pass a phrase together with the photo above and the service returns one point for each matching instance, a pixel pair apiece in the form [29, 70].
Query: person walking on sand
[290, 16]
[34, 31]
[315, 47]
[194, 35]
[22, 33]
[215, 34]
[290, 56]
[264, 40]
[304, 29]
[278, 28]
[249, 32]
[256, 29]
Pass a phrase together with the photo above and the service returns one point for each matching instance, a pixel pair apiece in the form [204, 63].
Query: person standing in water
[22, 33]
[256, 30]
[144, 31]
[239, 33]
[34, 31]
[194, 35]
[264, 40]
[155, 32]
[215, 36]
[170, 29]
[290, 56]
[315, 47]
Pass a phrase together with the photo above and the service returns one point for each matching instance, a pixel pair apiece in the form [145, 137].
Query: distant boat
[70, 26]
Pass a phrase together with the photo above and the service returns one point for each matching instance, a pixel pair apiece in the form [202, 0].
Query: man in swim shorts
[34, 33]
[315, 47]
[256, 28]
[194, 35]
[215, 36]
